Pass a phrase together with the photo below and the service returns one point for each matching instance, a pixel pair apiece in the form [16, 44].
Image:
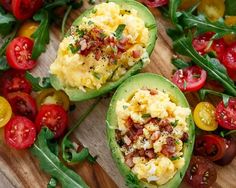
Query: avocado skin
[77, 95]
[126, 90]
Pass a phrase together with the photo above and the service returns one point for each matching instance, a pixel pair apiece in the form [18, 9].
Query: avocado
[76, 94]
[127, 90]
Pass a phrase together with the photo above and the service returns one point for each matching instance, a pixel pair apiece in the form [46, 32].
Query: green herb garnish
[119, 31]
[146, 115]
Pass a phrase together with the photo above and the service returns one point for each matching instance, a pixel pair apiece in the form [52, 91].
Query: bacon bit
[138, 126]
[184, 137]
[127, 141]
[165, 126]
[124, 40]
[156, 135]
[150, 153]
[83, 44]
[153, 91]
[154, 121]
[129, 122]
[170, 141]
[98, 54]
[141, 152]
[129, 160]
[138, 133]
[136, 54]
[168, 150]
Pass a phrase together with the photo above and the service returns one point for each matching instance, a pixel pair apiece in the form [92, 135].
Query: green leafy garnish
[230, 7]
[38, 83]
[6, 23]
[227, 133]
[51, 164]
[173, 13]
[216, 70]
[146, 115]
[41, 35]
[52, 183]
[204, 92]
[69, 153]
[74, 49]
[119, 31]
[96, 75]
[180, 64]
[63, 25]
[3, 64]
[175, 123]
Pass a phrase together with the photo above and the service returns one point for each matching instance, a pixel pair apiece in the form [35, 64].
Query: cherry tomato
[27, 29]
[186, 4]
[190, 79]
[210, 146]
[6, 4]
[5, 111]
[230, 21]
[54, 117]
[229, 57]
[230, 152]
[226, 115]
[201, 173]
[14, 80]
[202, 42]
[212, 9]
[219, 46]
[20, 133]
[52, 96]
[24, 9]
[22, 104]
[155, 3]
[232, 74]
[204, 116]
[19, 53]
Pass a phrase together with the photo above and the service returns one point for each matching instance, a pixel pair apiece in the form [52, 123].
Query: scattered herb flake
[97, 75]
[146, 115]
[175, 123]
[119, 31]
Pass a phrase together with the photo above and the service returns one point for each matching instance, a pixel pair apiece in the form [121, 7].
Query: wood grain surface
[19, 169]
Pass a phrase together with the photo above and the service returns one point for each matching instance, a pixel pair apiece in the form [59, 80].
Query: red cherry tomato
[232, 74]
[22, 104]
[201, 173]
[54, 117]
[229, 57]
[24, 9]
[230, 152]
[14, 80]
[226, 115]
[19, 53]
[6, 4]
[219, 46]
[190, 79]
[210, 146]
[155, 3]
[20, 132]
[201, 43]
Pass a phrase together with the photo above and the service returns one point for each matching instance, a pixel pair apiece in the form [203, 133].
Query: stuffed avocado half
[105, 45]
[150, 131]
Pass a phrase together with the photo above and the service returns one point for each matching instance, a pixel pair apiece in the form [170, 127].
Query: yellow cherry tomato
[212, 9]
[52, 96]
[230, 21]
[204, 116]
[5, 111]
[186, 4]
[27, 29]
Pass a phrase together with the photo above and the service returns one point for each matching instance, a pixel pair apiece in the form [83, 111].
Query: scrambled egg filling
[151, 133]
[102, 48]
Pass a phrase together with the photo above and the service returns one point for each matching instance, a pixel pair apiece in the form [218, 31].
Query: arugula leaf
[69, 153]
[3, 64]
[52, 183]
[119, 31]
[6, 23]
[63, 25]
[180, 64]
[230, 7]
[38, 83]
[41, 35]
[204, 92]
[184, 46]
[173, 13]
[51, 164]
[202, 25]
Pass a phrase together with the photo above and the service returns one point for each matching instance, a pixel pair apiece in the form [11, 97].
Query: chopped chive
[146, 115]
[174, 124]
[119, 31]
[97, 75]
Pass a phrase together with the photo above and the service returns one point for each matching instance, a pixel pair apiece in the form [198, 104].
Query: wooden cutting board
[19, 169]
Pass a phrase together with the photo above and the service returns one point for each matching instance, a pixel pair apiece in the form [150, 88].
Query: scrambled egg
[87, 71]
[142, 107]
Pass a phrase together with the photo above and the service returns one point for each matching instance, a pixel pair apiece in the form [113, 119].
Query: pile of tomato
[22, 112]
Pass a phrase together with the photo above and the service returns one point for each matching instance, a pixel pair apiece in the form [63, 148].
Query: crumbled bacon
[129, 160]
[127, 141]
[154, 121]
[150, 153]
[165, 126]
[156, 135]
[136, 54]
[184, 137]
[169, 149]
[137, 134]
[153, 91]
